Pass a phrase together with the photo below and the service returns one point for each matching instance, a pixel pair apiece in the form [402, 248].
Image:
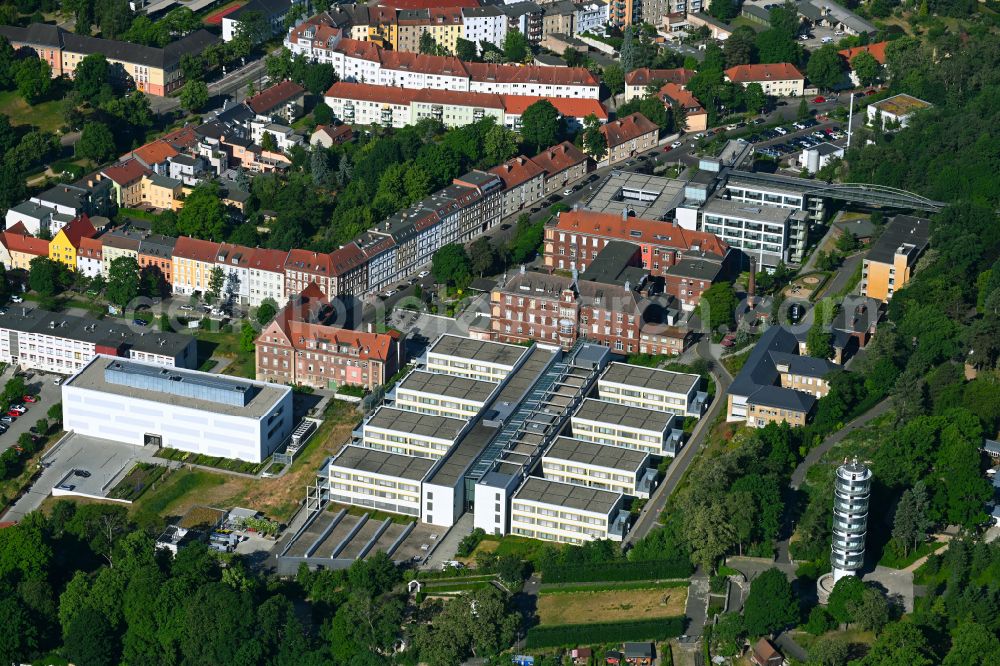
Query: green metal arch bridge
[876, 195]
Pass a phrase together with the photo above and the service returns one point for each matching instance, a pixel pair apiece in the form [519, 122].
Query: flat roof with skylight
[612, 413]
[415, 424]
[567, 496]
[650, 378]
[436, 383]
[597, 455]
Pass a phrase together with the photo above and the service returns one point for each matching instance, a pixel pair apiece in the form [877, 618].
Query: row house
[193, 262]
[282, 102]
[380, 258]
[629, 136]
[443, 24]
[117, 243]
[20, 247]
[523, 182]
[365, 62]
[303, 267]
[349, 269]
[563, 164]
[156, 253]
[64, 245]
[266, 276]
[484, 24]
[89, 261]
[301, 347]
[558, 310]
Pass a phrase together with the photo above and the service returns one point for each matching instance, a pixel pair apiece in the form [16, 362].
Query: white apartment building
[266, 277]
[484, 24]
[35, 339]
[144, 404]
[410, 433]
[33, 216]
[591, 17]
[284, 137]
[566, 513]
[635, 428]
[442, 395]
[378, 480]
[475, 359]
[593, 465]
[762, 231]
[650, 388]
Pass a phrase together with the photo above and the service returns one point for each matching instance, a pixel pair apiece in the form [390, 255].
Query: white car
[781, 130]
[677, 144]
[730, 128]
[568, 192]
[423, 274]
[699, 135]
[826, 40]
[389, 293]
[187, 307]
[16, 299]
[20, 409]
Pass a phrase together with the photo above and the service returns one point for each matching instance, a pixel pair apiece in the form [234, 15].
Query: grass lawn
[45, 116]
[277, 498]
[610, 606]
[891, 560]
[735, 362]
[524, 548]
[226, 345]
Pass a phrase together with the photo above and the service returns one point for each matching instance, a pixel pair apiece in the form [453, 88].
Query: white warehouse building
[145, 404]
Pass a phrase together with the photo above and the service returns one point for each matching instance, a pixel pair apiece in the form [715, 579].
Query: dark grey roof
[419, 425]
[567, 495]
[611, 262]
[36, 34]
[65, 195]
[85, 329]
[782, 398]
[650, 378]
[373, 461]
[697, 266]
[157, 245]
[904, 231]
[827, 148]
[451, 386]
[591, 453]
[521, 8]
[857, 314]
[168, 56]
[991, 446]
[479, 350]
[807, 366]
[624, 416]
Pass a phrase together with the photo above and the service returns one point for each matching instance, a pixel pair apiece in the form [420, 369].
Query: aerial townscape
[488, 332]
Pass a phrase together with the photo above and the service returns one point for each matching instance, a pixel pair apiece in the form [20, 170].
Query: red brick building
[298, 347]
[555, 309]
[303, 268]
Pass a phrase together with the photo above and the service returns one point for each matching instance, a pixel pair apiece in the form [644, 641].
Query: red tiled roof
[625, 129]
[77, 228]
[184, 137]
[268, 260]
[518, 170]
[17, 239]
[291, 321]
[640, 231]
[569, 107]
[671, 94]
[309, 262]
[347, 258]
[155, 152]
[779, 71]
[335, 132]
[421, 62]
[644, 76]
[357, 49]
[559, 158]
[371, 93]
[92, 248]
[428, 4]
[483, 71]
[877, 50]
[273, 97]
[127, 172]
[197, 249]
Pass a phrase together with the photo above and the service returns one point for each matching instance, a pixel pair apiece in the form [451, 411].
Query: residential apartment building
[45, 341]
[273, 13]
[765, 232]
[303, 346]
[776, 384]
[35, 218]
[777, 79]
[890, 262]
[474, 359]
[89, 255]
[193, 262]
[266, 276]
[361, 476]
[591, 465]
[566, 513]
[303, 268]
[443, 24]
[639, 81]
[484, 24]
[629, 136]
[156, 253]
[651, 388]
[122, 242]
[439, 394]
[613, 424]
[64, 245]
[563, 164]
[282, 102]
[365, 62]
[126, 178]
[523, 182]
[590, 16]
[695, 116]
[526, 18]
[155, 71]
[557, 18]
[20, 248]
[410, 433]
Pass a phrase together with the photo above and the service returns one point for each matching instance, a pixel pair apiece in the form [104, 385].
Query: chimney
[752, 286]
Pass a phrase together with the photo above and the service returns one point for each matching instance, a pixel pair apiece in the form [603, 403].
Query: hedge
[570, 635]
[608, 571]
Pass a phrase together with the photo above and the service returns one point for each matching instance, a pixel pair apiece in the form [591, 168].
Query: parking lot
[40, 385]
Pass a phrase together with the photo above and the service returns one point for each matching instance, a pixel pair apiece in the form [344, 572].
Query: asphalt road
[48, 394]
[654, 507]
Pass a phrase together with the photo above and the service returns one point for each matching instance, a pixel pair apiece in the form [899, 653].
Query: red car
[819, 100]
[729, 340]
[13, 414]
[29, 398]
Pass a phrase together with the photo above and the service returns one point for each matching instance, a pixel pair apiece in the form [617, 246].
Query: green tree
[829, 651]
[266, 311]
[90, 639]
[204, 215]
[194, 96]
[614, 78]
[248, 337]
[774, 45]
[866, 68]
[972, 644]
[20, 635]
[902, 643]
[482, 256]
[803, 111]
[710, 532]
[729, 635]
[718, 305]
[741, 46]
[846, 594]
[267, 142]
[427, 44]
[450, 265]
[820, 621]
[871, 612]
[96, 143]
[824, 68]
[771, 604]
[34, 79]
[216, 282]
[819, 340]
[123, 281]
[627, 54]
[515, 46]
[465, 50]
[594, 141]
[45, 276]
[754, 98]
[724, 10]
[500, 144]
[540, 126]
[910, 523]
[90, 78]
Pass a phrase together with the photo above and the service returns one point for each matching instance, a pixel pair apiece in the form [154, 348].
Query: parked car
[16, 299]
[567, 192]
[3, 428]
[57, 381]
[19, 410]
[81, 473]
[139, 322]
[29, 399]
[676, 144]
[729, 340]
[7, 418]
[795, 313]
[819, 99]
[389, 293]
[759, 121]
[187, 308]
[809, 122]
[13, 414]
[423, 274]
[780, 130]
